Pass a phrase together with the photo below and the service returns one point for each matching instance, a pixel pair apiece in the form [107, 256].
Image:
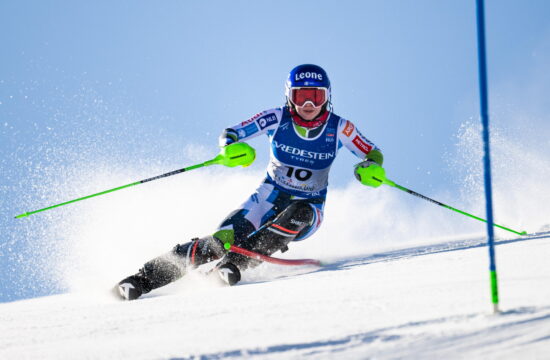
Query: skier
[305, 136]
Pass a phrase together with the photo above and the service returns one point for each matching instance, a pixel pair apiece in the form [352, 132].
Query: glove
[236, 154]
[370, 173]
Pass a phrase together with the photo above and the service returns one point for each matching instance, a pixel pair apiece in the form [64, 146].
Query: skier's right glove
[236, 154]
[370, 173]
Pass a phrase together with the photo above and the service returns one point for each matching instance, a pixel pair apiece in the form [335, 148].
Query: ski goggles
[316, 95]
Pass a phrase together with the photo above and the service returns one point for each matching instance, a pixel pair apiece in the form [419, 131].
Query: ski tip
[21, 215]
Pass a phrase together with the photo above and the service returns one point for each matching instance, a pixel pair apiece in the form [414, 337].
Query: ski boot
[154, 274]
[132, 287]
[229, 273]
[170, 267]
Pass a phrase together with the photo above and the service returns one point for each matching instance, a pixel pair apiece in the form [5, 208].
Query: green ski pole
[231, 156]
[393, 184]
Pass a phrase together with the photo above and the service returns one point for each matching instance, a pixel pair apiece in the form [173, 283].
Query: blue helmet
[307, 75]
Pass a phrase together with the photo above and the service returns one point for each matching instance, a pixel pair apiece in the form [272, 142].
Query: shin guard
[276, 234]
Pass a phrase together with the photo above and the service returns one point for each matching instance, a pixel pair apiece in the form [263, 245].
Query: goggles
[299, 96]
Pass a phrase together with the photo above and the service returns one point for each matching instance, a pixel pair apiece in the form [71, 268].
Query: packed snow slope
[386, 292]
[429, 301]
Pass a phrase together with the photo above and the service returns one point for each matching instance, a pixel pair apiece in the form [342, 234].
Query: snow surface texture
[428, 302]
[387, 291]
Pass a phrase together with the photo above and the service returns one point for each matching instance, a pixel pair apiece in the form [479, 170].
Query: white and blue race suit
[299, 165]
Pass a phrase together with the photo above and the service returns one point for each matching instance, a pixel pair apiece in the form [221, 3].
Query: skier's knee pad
[283, 229]
[295, 217]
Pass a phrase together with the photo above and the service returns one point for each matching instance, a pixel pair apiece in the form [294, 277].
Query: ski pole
[269, 259]
[393, 184]
[229, 156]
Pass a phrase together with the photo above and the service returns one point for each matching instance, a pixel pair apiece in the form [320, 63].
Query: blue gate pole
[484, 105]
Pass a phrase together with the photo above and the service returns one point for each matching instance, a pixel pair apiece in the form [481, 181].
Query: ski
[269, 259]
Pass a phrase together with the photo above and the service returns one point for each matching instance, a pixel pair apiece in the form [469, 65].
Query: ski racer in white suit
[305, 136]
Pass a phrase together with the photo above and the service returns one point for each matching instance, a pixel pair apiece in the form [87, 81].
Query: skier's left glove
[236, 154]
[370, 173]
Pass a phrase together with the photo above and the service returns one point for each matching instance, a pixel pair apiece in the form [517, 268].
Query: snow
[403, 278]
[422, 302]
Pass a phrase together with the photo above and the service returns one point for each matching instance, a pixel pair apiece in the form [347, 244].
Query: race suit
[286, 207]
[298, 170]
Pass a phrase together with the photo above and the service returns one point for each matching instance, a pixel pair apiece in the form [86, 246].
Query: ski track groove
[488, 337]
[416, 251]
[391, 334]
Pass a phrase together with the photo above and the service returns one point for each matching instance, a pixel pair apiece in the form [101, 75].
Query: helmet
[307, 75]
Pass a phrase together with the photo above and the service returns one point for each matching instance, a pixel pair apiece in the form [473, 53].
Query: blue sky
[136, 82]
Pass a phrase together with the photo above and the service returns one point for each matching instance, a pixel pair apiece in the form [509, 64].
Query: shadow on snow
[513, 319]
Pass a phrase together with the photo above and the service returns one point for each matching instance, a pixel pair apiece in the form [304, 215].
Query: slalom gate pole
[393, 184]
[233, 158]
[484, 109]
[269, 259]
